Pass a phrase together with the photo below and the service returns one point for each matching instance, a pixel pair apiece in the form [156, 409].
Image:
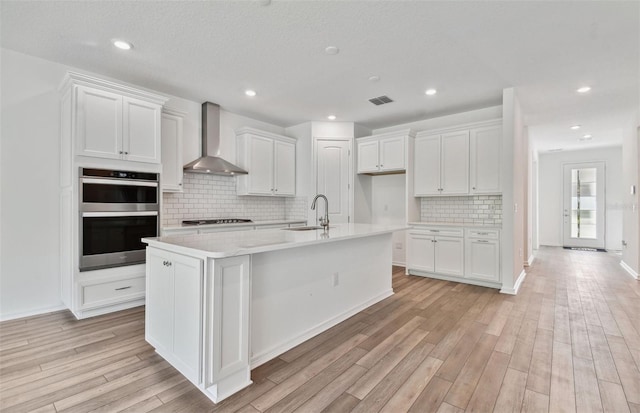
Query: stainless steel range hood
[210, 162]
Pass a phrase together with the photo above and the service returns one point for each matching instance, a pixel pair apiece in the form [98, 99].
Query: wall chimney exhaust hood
[210, 163]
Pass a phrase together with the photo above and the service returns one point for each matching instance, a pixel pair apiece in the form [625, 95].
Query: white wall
[631, 176]
[388, 207]
[550, 179]
[29, 257]
[478, 115]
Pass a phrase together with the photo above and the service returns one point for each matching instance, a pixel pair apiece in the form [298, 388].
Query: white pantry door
[332, 178]
[583, 212]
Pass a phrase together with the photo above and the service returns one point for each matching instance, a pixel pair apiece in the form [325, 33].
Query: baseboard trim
[274, 352]
[530, 260]
[41, 311]
[628, 269]
[398, 264]
[516, 286]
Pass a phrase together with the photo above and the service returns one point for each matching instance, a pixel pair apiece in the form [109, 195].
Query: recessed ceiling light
[250, 92]
[584, 89]
[575, 127]
[121, 44]
[331, 117]
[585, 138]
[374, 78]
[431, 92]
[332, 50]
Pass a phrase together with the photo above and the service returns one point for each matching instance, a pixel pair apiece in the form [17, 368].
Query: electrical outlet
[336, 279]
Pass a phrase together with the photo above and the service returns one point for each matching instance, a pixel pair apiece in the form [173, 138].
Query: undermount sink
[309, 228]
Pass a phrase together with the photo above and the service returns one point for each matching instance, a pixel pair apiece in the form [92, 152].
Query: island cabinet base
[197, 318]
[300, 292]
[214, 319]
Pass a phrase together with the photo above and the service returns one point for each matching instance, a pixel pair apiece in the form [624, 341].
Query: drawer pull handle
[482, 240]
[123, 288]
[166, 263]
[483, 233]
[434, 230]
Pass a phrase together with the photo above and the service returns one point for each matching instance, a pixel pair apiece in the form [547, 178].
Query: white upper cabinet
[383, 154]
[270, 160]
[114, 121]
[485, 159]
[464, 160]
[171, 130]
[442, 164]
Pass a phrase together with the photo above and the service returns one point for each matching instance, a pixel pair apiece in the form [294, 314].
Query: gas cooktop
[215, 221]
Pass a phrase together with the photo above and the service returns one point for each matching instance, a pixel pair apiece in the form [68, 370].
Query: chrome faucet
[324, 221]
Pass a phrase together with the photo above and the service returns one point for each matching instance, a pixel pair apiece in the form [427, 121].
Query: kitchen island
[221, 304]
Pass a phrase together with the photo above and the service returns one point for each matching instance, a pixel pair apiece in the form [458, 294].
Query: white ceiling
[469, 51]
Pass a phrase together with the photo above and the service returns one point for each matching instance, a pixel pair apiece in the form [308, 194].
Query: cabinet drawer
[483, 233]
[112, 292]
[447, 232]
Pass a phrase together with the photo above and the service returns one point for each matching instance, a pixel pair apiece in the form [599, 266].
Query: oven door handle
[119, 214]
[118, 182]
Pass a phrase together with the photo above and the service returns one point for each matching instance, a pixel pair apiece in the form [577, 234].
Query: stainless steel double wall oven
[117, 209]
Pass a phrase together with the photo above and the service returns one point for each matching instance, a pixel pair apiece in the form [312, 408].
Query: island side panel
[299, 292]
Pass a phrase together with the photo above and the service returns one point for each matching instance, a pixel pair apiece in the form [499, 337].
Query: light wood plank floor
[569, 342]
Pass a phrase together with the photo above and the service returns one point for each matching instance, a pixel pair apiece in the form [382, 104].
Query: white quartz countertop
[238, 224]
[230, 244]
[452, 224]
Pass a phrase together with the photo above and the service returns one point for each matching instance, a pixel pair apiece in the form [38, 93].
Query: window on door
[584, 204]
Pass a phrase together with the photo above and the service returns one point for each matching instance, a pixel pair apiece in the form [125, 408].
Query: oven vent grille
[381, 100]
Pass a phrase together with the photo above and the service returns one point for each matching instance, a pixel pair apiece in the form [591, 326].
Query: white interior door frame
[569, 239]
[314, 170]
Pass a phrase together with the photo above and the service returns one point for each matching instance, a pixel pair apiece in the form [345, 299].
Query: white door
[454, 168]
[449, 256]
[392, 154]
[420, 252]
[141, 130]
[171, 131]
[427, 166]
[99, 123]
[484, 159]
[260, 165]
[583, 212]
[284, 174]
[333, 178]
[368, 157]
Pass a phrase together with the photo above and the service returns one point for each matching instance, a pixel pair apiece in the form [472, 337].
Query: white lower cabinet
[482, 258]
[435, 253]
[468, 255]
[197, 318]
[174, 291]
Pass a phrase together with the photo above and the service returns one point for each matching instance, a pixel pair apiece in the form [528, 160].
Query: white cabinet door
[427, 166]
[368, 157]
[98, 123]
[420, 252]
[171, 131]
[392, 154]
[449, 256]
[174, 313]
[484, 159]
[260, 154]
[284, 168]
[483, 259]
[141, 130]
[454, 170]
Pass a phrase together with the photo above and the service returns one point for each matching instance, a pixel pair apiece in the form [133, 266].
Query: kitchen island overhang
[221, 304]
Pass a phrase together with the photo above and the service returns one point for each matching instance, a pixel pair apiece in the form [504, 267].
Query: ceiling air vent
[381, 100]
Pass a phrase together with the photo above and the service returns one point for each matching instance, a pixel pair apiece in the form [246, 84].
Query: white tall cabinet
[270, 160]
[104, 125]
[484, 160]
[172, 129]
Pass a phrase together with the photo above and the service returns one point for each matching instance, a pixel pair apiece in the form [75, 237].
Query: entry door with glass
[584, 206]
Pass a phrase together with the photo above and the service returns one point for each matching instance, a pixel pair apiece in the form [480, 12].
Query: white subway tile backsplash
[214, 196]
[476, 209]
